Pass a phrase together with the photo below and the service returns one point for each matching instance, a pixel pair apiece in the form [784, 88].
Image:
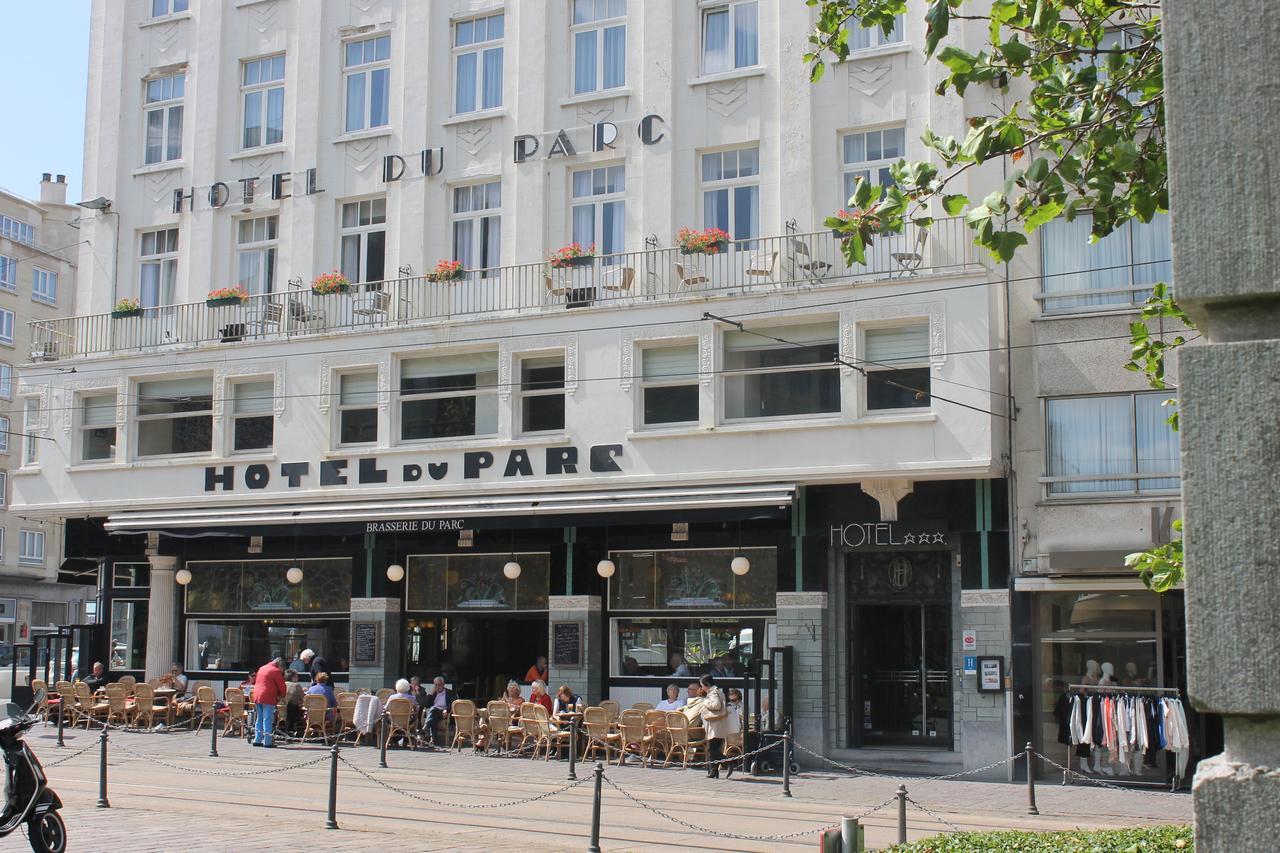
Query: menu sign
[364, 642]
[566, 644]
[990, 674]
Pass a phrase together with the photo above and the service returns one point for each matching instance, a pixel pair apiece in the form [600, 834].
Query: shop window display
[476, 582]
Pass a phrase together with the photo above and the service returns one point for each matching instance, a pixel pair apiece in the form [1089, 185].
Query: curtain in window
[100, 411]
[462, 242]
[613, 222]
[465, 84]
[149, 286]
[584, 224]
[584, 61]
[1073, 265]
[355, 102]
[1151, 251]
[746, 213]
[252, 120]
[350, 263]
[253, 397]
[901, 344]
[358, 389]
[492, 78]
[715, 42]
[715, 209]
[491, 243]
[746, 47]
[174, 149]
[1090, 435]
[379, 98]
[1157, 442]
[615, 57]
[155, 136]
[275, 116]
[659, 364]
[251, 272]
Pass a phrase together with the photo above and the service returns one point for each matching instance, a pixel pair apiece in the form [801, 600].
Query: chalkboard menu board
[566, 644]
[364, 642]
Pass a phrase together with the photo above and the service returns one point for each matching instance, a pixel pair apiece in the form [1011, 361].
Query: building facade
[583, 441]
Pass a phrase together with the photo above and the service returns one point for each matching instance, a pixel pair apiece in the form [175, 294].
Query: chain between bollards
[102, 770]
[1031, 779]
[902, 814]
[213, 734]
[573, 749]
[594, 847]
[382, 741]
[332, 821]
[786, 760]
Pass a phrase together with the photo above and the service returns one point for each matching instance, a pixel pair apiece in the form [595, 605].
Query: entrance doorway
[477, 655]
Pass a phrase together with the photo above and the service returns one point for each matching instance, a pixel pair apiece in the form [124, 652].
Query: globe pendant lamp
[182, 577]
[395, 572]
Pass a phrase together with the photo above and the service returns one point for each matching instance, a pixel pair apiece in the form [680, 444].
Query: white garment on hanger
[1088, 721]
[1176, 733]
[1077, 721]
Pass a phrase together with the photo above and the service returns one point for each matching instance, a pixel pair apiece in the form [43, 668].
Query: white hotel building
[402, 441]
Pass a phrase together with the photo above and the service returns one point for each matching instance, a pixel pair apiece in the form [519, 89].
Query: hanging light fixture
[511, 570]
[182, 576]
[740, 566]
[294, 575]
[606, 567]
[395, 572]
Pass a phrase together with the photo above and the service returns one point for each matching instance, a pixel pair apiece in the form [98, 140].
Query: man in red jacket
[268, 689]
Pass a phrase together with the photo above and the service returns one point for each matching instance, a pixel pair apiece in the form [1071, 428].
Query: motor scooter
[28, 797]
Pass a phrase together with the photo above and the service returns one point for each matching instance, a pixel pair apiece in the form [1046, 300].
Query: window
[669, 384]
[129, 634]
[693, 579]
[599, 212]
[691, 647]
[6, 326]
[542, 393]
[477, 64]
[1104, 444]
[765, 378]
[358, 408]
[19, 232]
[160, 8]
[259, 586]
[8, 272]
[367, 81]
[252, 415]
[868, 155]
[31, 552]
[48, 612]
[262, 88]
[159, 267]
[470, 582]
[364, 232]
[237, 644]
[131, 574]
[97, 427]
[731, 192]
[896, 361]
[44, 286]
[5, 431]
[256, 254]
[730, 37]
[4, 489]
[861, 38]
[30, 423]
[449, 396]
[164, 118]
[1118, 270]
[477, 227]
[175, 416]
[599, 35]
[6, 381]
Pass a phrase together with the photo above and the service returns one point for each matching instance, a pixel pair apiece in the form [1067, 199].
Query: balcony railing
[653, 276]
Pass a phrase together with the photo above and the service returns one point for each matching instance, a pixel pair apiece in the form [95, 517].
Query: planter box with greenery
[1149, 839]
[329, 283]
[227, 296]
[572, 255]
[127, 308]
[712, 241]
[447, 271]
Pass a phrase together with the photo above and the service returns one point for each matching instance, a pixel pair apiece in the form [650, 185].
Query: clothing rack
[1120, 688]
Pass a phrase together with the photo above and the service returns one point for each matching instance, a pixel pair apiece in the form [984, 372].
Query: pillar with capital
[162, 616]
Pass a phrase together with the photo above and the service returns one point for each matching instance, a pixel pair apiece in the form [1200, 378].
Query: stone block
[1237, 806]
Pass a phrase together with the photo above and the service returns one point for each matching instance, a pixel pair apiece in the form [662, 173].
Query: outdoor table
[167, 696]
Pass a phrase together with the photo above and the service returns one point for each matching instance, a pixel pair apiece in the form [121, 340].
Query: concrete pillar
[376, 620]
[585, 678]
[162, 616]
[802, 624]
[1225, 239]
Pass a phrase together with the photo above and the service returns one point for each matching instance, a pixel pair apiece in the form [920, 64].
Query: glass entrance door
[902, 689]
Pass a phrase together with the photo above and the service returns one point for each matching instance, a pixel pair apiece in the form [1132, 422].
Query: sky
[44, 58]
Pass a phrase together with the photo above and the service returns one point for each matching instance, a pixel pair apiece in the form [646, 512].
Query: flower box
[715, 248]
[709, 241]
[572, 255]
[218, 301]
[579, 261]
[447, 271]
[227, 296]
[330, 282]
[121, 313]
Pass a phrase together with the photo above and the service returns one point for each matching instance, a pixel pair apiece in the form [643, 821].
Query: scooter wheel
[48, 833]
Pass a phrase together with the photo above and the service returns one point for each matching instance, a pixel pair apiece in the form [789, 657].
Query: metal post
[62, 714]
[573, 749]
[902, 814]
[102, 770]
[849, 835]
[786, 760]
[594, 847]
[382, 740]
[332, 821]
[1031, 780]
[213, 733]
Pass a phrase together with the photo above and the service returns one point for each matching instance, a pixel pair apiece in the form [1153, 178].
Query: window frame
[477, 392]
[693, 380]
[873, 36]
[878, 167]
[30, 422]
[171, 8]
[165, 262]
[705, 11]
[597, 203]
[83, 429]
[4, 491]
[339, 407]
[264, 89]
[233, 416]
[6, 380]
[1137, 293]
[597, 26]
[726, 374]
[1134, 477]
[6, 430]
[17, 230]
[525, 393]
[7, 321]
[139, 418]
[360, 232]
[9, 273]
[166, 106]
[869, 367]
[266, 250]
[480, 49]
[44, 286]
[26, 537]
[481, 222]
[731, 186]
[366, 69]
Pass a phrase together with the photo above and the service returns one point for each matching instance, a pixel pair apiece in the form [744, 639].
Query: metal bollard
[382, 741]
[332, 821]
[1031, 780]
[850, 836]
[902, 814]
[594, 847]
[213, 734]
[786, 760]
[62, 716]
[102, 770]
[573, 749]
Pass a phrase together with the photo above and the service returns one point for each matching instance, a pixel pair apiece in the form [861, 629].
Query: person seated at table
[537, 672]
[514, 699]
[404, 690]
[175, 680]
[694, 692]
[673, 702]
[679, 667]
[565, 702]
[247, 685]
[294, 691]
[322, 687]
[99, 677]
[419, 692]
[440, 700]
[722, 667]
[538, 694]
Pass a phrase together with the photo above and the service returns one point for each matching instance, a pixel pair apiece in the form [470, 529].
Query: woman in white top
[673, 702]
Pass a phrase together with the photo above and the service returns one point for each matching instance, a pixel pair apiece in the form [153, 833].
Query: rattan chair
[613, 708]
[315, 708]
[630, 735]
[384, 694]
[686, 740]
[500, 729]
[346, 724]
[144, 705]
[656, 737]
[529, 724]
[546, 735]
[204, 708]
[400, 720]
[117, 705]
[600, 738]
[237, 712]
[40, 688]
[87, 707]
[642, 706]
[129, 683]
[464, 716]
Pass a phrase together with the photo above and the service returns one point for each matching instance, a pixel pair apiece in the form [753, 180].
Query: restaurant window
[364, 239]
[731, 193]
[542, 393]
[1116, 271]
[896, 365]
[128, 634]
[477, 227]
[262, 87]
[130, 575]
[476, 582]
[1111, 444]
[163, 109]
[477, 64]
[730, 36]
[669, 384]
[252, 415]
[449, 396]
[175, 416]
[686, 647]
[158, 270]
[695, 578]
[366, 74]
[600, 210]
[256, 254]
[599, 33]
[246, 587]
[767, 378]
[868, 155]
[241, 645]
[98, 427]
[358, 407]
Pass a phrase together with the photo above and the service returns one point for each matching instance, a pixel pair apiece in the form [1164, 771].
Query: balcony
[656, 276]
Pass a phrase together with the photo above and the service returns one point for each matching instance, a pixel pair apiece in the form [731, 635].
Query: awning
[460, 507]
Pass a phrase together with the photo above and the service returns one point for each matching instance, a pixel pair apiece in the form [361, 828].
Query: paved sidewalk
[159, 807]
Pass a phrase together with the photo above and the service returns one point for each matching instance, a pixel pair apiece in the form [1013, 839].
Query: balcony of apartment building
[658, 275]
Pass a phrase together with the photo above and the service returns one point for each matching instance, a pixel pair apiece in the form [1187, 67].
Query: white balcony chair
[808, 267]
[371, 303]
[762, 265]
[269, 317]
[909, 262]
[690, 277]
[557, 288]
[618, 279]
[304, 316]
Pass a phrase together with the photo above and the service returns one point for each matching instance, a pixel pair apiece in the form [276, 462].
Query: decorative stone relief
[275, 369]
[42, 422]
[507, 353]
[703, 333]
[262, 16]
[726, 98]
[595, 112]
[163, 36]
[473, 137]
[362, 154]
[70, 408]
[887, 493]
[331, 363]
[160, 185]
[984, 598]
[869, 76]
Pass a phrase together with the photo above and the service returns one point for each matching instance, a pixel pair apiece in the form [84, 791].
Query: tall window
[542, 393]
[731, 192]
[868, 155]
[252, 416]
[730, 36]
[30, 423]
[477, 64]
[364, 233]
[160, 8]
[256, 253]
[358, 407]
[599, 45]
[31, 548]
[861, 38]
[6, 326]
[262, 93]
[367, 80]
[97, 427]
[1118, 270]
[6, 381]
[477, 226]
[44, 286]
[175, 416]
[4, 489]
[8, 272]
[164, 118]
[766, 378]
[896, 361]
[599, 211]
[1107, 444]
[448, 396]
[19, 232]
[5, 430]
[669, 384]
[159, 268]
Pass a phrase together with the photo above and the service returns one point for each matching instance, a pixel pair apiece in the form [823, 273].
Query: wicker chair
[529, 724]
[384, 694]
[656, 737]
[400, 720]
[596, 724]
[613, 708]
[346, 724]
[546, 735]
[42, 707]
[688, 741]
[117, 704]
[87, 707]
[237, 711]
[204, 708]
[315, 708]
[642, 706]
[144, 705]
[66, 698]
[630, 735]
[464, 716]
[500, 729]
[129, 683]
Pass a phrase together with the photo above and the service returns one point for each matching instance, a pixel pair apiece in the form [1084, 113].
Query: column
[802, 624]
[162, 616]
[585, 677]
[376, 634]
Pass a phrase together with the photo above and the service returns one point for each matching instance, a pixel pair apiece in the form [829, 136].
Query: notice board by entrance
[364, 643]
[566, 643]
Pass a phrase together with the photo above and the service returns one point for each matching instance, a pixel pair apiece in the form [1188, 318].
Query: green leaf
[939, 19]
[958, 60]
[1039, 169]
[1015, 51]
[1125, 155]
[1041, 214]
[1004, 244]
[953, 204]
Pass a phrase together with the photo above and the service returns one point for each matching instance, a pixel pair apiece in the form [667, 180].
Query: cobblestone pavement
[158, 807]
